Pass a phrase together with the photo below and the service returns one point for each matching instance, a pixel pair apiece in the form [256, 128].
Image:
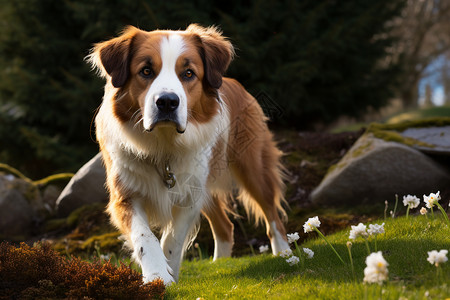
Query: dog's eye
[188, 74]
[146, 72]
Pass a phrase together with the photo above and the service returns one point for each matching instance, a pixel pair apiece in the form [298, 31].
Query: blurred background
[323, 64]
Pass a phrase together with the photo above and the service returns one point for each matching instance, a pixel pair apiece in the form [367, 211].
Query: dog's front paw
[163, 275]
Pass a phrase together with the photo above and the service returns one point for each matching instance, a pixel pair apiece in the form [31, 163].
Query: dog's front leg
[146, 248]
[174, 238]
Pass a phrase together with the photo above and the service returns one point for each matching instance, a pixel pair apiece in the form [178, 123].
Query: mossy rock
[375, 170]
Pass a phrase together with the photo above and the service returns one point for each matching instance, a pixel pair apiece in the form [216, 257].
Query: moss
[10, 170]
[59, 179]
[108, 242]
[362, 149]
[335, 167]
[83, 212]
[55, 224]
[390, 135]
[402, 126]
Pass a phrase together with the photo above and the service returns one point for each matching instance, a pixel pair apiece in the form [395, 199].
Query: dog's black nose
[167, 102]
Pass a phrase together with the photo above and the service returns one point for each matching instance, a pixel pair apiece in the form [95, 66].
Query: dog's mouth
[167, 123]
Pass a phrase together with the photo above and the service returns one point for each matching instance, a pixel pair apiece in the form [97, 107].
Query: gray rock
[376, 170]
[87, 186]
[16, 214]
[437, 137]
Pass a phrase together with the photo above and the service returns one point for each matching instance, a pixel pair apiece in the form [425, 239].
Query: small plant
[437, 258]
[432, 200]
[301, 255]
[376, 270]
[360, 231]
[410, 202]
[311, 225]
[40, 272]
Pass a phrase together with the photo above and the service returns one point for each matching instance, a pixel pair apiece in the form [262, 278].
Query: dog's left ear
[217, 53]
[113, 57]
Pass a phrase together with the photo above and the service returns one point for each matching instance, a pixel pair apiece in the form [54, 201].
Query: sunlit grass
[404, 246]
[418, 114]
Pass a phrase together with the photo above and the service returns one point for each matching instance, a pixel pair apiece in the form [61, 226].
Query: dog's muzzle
[167, 105]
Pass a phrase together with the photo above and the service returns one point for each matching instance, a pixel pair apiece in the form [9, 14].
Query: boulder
[19, 204]
[16, 214]
[376, 170]
[87, 186]
[438, 139]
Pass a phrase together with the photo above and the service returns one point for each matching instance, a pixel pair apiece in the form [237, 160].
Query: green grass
[419, 114]
[410, 115]
[404, 246]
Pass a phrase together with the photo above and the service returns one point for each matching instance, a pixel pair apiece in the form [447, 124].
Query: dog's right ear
[113, 57]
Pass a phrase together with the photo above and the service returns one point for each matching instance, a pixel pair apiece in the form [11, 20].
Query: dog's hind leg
[259, 173]
[221, 227]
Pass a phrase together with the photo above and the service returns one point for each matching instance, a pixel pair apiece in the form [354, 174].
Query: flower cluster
[436, 258]
[411, 201]
[431, 200]
[292, 259]
[361, 230]
[358, 231]
[263, 248]
[375, 229]
[309, 253]
[311, 224]
[292, 237]
[376, 270]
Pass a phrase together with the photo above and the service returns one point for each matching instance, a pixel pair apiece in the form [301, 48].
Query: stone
[87, 186]
[437, 137]
[16, 214]
[376, 170]
[50, 195]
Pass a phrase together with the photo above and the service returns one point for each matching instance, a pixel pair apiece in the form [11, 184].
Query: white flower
[311, 224]
[431, 200]
[292, 237]
[309, 253]
[423, 211]
[437, 258]
[286, 253]
[293, 260]
[411, 201]
[105, 257]
[376, 270]
[375, 229]
[359, 230]
[263, 248]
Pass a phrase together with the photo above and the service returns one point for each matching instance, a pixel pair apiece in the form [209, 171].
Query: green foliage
[404, 245]
[315, 60]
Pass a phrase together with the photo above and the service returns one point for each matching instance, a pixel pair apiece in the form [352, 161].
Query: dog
[177, 138]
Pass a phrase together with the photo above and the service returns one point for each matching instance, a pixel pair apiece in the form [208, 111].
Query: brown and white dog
[176, 138]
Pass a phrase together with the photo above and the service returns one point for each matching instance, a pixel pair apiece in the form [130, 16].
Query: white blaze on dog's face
[166, 101]
[165, 78]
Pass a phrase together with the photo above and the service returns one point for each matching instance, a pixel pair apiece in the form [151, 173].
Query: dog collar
[168, 176]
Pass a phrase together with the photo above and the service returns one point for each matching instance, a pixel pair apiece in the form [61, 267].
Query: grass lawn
[404, 246]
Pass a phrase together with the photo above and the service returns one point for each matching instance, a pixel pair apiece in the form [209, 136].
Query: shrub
[38, 272]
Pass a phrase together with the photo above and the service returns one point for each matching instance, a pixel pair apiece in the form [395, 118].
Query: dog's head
[164, 78]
